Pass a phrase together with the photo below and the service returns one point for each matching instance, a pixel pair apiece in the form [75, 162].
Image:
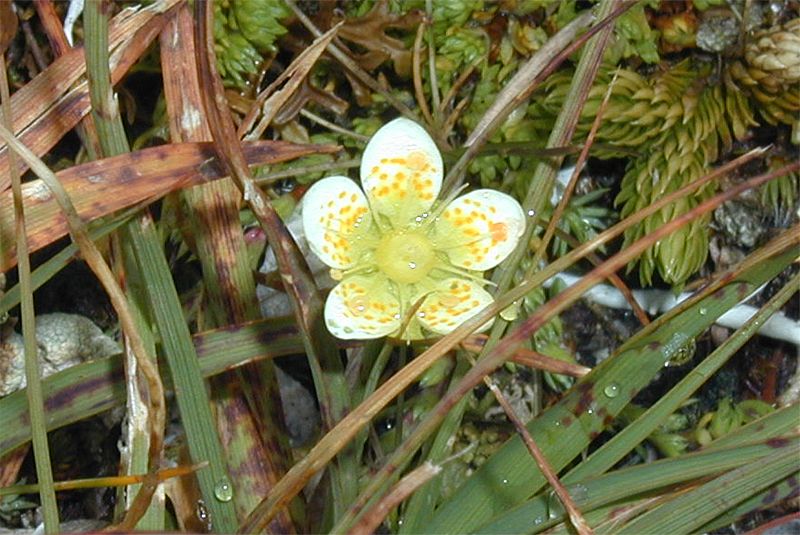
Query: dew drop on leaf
[223, 491]
[611, 390]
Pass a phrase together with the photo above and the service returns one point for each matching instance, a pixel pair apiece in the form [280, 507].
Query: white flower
[394, 246]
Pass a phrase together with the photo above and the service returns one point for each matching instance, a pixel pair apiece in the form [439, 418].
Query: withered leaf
[105, 186]
[8, 25]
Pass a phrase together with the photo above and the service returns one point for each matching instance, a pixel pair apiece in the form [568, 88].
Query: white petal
[454, 301]
[362, 307]
[479, 230]
[401, 171]
[336, 220]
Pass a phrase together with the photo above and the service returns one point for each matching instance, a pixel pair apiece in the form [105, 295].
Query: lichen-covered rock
[64, 340]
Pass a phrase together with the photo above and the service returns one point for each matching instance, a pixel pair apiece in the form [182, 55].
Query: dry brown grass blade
[269, 102]
[10, 464]
[351, 65]
[101, 187]
[49, 106]
[543, 63]
[307, 303]
[401, 490]
[294, 270]
[532, 359]
[522, 83]
[515, 92]
[53, 28]
[8, 25]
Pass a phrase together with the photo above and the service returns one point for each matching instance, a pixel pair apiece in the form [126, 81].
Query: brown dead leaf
[8, 25]
[370, 32]
[102, 187]
[272, 98]
[50, 105]
[10, 464]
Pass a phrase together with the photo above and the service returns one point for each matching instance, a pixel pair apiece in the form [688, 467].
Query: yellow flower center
[405, 257]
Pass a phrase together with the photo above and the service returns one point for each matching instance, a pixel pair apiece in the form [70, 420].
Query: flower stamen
[405, 256]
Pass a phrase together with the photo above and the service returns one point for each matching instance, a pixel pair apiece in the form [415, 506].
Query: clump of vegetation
[416, 386]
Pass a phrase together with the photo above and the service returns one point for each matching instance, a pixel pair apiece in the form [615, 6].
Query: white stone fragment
[63, 340]
[779, 326]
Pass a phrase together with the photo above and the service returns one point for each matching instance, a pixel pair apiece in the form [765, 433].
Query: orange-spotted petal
[401, 171]
[453, 302]
[479, 230]
[362, 307]
[336, 221]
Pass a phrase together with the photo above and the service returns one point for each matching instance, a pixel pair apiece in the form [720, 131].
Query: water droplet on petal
[531, 213]
[412, 265]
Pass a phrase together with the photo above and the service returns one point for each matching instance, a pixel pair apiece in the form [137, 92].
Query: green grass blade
[768, 497]
[627, 439]
[692, 509]
[148, 406]
[630, 483]
[187, 377]
[190, 390]
[134, 427]
[33, 376]
[426, 497]
[565, 429]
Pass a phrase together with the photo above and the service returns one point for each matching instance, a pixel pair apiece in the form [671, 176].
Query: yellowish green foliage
[243, 31]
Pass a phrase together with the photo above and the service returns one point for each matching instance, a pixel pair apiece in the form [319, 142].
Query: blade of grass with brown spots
[88, 389]
[323, 357]
[247, 401]
[48, 107]
[105, 186]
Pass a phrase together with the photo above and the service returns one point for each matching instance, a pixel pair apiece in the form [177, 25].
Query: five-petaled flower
[395, 247]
